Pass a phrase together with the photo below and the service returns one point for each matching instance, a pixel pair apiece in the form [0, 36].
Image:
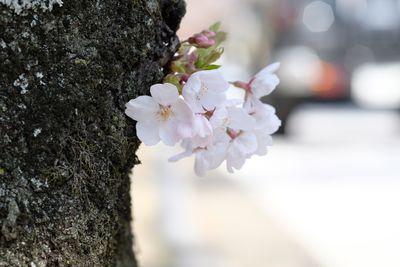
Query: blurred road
[335, 185]
[327, 195]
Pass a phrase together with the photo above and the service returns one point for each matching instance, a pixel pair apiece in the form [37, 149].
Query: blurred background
[328, 192]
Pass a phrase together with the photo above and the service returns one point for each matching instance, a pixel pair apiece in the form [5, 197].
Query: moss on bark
[66, 145]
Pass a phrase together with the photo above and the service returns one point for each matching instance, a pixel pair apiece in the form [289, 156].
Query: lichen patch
[20, 5]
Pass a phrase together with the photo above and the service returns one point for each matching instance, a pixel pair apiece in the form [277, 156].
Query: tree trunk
[66, 145]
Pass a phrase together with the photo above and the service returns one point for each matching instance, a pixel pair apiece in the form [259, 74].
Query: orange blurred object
[330, 82]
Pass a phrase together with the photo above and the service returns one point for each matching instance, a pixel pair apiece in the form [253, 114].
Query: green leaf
[215, 27]
[202, 54]
[212, 67]
[178, 67]
[173, 80]
[220, 37]
[213, 56]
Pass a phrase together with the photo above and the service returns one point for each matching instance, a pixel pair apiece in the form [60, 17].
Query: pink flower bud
[202, 41]
[208, 33]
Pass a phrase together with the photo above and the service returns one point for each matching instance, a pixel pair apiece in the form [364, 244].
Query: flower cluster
[192, 107]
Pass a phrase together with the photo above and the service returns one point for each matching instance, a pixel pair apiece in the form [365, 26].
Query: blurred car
[306, 77]
[336, 50]
[376, 80]
[377, 85]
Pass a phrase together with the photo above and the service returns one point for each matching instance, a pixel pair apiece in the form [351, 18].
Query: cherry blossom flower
[244, 131]
[160, 116]
[231, 117]
[207, 158]
[232, 131]
[202, 131]
[265, 81]
[205, 90]
[199, 130]
[264, 116]
[262, 84]
[244, 144]
[264, 140]
[209, 126]
[241, 147]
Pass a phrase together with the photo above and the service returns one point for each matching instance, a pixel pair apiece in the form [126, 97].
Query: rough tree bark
[66, 145]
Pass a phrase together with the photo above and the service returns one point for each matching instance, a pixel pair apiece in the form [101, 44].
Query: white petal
[188, 151]
[184, 154]
[142, 108]
[264, 85]
[211, 100]
[195, 105]
[165, 94]
[265, 81]
[264, 115]
[202, 141]
[263, 141]
[216, 155]
[169, 133]
[273, 124]
[187, 120]
[229, 166]
[200, 165]
[221, 137]
[199, 141]
[245, 144]
[219, 119]
[185, 130]
[251, 100]
[269, 69]
[182, 111]
[240, 120]
[202, 131]
[213, 80]
[233, 102]
[201, 126]
[148, 133]
[189, 93]
[205, 89]
[234, 161]
[192, 86]
[270, 109]
[193, 102]
[241, 148]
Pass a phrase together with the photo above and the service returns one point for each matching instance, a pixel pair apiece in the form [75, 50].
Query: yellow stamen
[165, 112]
